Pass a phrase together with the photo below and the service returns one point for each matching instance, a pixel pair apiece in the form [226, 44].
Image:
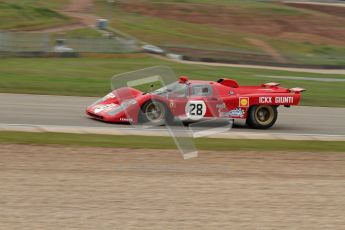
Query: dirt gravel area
[267, 49]
[329, 9]
[80, 10]
[57, 187]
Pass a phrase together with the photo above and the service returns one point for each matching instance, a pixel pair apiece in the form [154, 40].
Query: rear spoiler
[270, 84]
[297, 90]
[275, 84]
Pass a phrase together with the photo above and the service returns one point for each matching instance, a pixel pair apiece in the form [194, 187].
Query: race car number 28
[195, 110]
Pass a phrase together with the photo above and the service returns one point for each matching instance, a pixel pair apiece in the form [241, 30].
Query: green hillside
[19, 16]
[298, 35]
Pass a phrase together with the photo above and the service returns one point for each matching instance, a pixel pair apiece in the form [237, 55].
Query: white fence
[39, 42]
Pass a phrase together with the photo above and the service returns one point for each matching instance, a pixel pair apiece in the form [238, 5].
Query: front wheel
[155, 113]
[262, 116]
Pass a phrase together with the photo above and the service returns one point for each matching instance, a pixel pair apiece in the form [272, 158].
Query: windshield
[175, 89]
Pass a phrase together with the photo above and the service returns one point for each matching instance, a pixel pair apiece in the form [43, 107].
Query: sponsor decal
[221, 106]
[243, 101]
[126, 119]
[277, 100]
[265, 100]
[238, 112]
[235, 113]
[283, 100]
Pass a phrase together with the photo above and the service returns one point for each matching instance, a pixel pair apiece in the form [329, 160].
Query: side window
[201, 90]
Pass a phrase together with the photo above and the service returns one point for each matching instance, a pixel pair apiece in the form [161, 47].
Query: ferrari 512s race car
[193, 100]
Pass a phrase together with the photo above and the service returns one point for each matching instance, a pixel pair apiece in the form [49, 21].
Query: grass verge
[90, 76]
[146, 142]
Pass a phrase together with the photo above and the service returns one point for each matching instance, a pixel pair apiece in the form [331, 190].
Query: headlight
[127, 103]
[109, 95]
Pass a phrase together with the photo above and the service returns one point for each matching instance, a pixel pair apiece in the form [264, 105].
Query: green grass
[181, 33]
[91, 76]
[51, 4]
[146, 142]
[22, 16]
[309, 53]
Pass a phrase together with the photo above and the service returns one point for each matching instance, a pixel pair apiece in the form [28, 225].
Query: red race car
[192, 100]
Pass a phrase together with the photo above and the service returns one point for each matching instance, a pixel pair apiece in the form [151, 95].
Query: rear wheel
[155, 113]
[262, 116]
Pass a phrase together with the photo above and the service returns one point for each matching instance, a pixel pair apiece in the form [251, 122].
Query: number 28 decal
[195, 110]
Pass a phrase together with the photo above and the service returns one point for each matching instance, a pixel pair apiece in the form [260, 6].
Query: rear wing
[296, 90]
[270, 84]
[275, 84]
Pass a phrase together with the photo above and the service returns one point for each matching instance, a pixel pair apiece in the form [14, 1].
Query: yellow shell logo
[244, 102]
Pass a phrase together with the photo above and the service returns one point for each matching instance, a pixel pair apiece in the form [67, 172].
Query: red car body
[196, 100]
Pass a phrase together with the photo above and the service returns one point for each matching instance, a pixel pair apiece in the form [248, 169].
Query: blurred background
[280, 33]
[107, 37]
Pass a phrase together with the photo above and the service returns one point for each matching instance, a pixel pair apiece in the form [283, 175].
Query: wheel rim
[264, 115]
[155, 112]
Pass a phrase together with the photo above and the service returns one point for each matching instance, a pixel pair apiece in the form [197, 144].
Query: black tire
[154, 112]
[262, 116]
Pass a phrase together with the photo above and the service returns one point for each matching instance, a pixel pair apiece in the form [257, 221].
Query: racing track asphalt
[65, 111]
